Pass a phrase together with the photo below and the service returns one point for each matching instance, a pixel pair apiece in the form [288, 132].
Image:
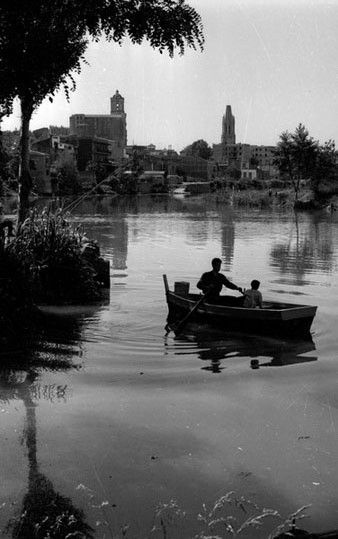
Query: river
[122, 425]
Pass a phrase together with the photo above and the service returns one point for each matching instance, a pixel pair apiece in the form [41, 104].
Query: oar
[185, 320]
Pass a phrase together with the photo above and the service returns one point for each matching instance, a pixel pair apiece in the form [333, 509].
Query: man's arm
[231, 285]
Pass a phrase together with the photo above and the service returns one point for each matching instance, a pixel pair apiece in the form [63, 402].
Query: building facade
[56, 146]
[39, 168]
[252, 161]
[89, 150]
[112, 127]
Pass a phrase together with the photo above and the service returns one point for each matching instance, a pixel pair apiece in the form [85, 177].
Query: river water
[112, 417]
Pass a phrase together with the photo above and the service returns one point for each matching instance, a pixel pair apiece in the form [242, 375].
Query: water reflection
[308, 244]
[309, 247]
[143, 238]
[44, 511]
[219, 352]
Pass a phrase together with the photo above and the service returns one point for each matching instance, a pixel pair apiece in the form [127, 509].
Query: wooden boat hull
[275, 318]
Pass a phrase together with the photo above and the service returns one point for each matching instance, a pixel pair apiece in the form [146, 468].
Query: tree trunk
[25, 179]
[297, 186]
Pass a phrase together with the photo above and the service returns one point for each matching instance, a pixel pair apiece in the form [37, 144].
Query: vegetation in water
[256, 198]
[56, 260]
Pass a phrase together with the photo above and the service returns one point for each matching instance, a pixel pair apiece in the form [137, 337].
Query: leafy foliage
[299, 156]
[99, 170]
[9, 165]
[296, 155]
[199, 148]
[42, 43]
[67, 178]
[51, 253]
[37, 50]
[325, 170]
[4, 158]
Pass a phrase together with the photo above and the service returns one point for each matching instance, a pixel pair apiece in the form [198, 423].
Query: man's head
[255, 284]
[216, 264]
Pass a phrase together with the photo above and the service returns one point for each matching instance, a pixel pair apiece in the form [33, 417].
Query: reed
[52, 255]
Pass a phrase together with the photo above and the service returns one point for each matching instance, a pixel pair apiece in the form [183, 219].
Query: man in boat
[211, 282]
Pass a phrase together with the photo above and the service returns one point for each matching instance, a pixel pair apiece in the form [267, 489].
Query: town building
[112, 127]
[56, 146]
[74, 150]
[168, 160]
[89, 149]
[150, 158]
[251, 161]
[39, 168]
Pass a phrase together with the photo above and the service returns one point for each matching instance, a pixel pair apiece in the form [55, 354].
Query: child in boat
[211, 282]
[253, 297]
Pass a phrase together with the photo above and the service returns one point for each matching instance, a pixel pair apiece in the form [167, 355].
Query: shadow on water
[44, 512]
[217, 350]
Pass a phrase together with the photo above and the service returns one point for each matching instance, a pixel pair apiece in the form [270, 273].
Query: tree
[9, 160]
[67, 178]
[3, 163]
[233, 172]
[296, 156]
[326, 168]
[42, 42]
[199, 148]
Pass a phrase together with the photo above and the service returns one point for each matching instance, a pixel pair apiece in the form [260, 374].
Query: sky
[274, 61]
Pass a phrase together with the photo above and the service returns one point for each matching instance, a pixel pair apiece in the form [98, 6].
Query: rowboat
[275, 318]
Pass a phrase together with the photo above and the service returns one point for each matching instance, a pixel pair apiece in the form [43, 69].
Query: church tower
[228, 127]
[118, 119]
[112, 127]
[116, 103]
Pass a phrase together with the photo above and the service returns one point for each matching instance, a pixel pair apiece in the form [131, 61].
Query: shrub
[253, 197]
[51, 254]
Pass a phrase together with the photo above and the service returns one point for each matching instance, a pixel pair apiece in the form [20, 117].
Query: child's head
[255, 284]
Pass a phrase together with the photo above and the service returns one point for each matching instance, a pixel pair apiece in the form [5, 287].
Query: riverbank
[281, 198]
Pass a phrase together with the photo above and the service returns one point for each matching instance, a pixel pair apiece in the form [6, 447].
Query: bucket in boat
[182, 288]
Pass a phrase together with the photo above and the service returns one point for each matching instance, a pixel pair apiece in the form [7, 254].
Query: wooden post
[165, 280]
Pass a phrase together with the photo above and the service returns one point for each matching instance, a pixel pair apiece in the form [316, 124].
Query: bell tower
[116, 103]
[228, 127]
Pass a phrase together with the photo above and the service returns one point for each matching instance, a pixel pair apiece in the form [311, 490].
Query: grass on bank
[259, 198]
[324, 195]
